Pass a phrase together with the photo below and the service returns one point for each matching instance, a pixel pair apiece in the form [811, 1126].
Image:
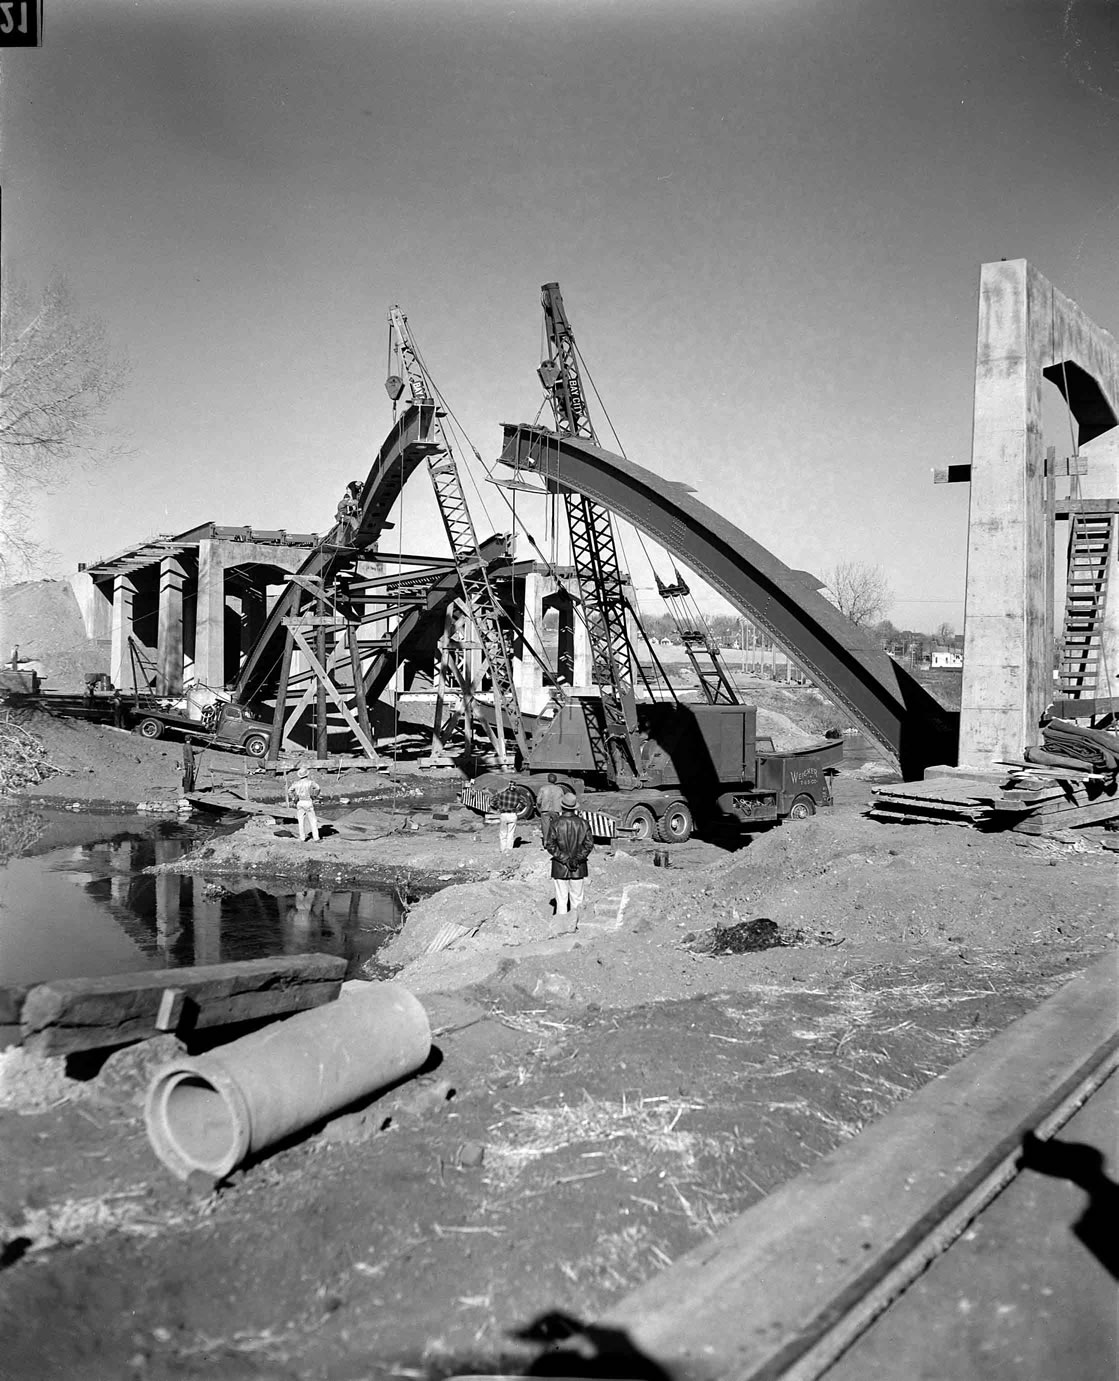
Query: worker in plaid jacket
[507, 802]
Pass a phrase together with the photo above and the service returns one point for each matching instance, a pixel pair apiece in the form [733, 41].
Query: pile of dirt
[91, 762]
[42, 617]
[787, 736]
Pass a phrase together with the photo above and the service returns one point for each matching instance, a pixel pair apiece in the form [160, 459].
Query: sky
[767, 218]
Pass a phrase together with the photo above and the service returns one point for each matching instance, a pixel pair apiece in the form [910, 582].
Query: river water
[87, 908]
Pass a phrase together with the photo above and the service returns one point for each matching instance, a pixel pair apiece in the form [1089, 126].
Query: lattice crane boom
[482, 604]
[595, 555]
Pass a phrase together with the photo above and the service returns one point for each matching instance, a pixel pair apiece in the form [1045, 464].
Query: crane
[595, 557]
[482, 604]
[594, 551]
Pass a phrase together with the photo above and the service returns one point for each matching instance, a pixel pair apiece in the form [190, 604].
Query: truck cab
[224, 725]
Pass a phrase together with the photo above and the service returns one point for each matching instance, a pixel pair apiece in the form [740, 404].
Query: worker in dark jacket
[569, 842]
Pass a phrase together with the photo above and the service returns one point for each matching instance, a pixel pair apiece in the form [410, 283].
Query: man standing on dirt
[549, 801]
[303, 792]
[507, 802]
[569, 842]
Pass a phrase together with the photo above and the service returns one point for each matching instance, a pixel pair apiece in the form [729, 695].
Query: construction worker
[508, 803]
[570, 843]
[303, 792]
[549, 801]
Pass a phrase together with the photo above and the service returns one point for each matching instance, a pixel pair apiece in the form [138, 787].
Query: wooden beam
[72, 1014]
[1066, 507]
[1084, 709]
[329, 688]
[1070, 818]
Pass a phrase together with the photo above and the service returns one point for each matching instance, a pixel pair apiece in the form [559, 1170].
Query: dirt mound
[90, 762]
[787, 737]
[43, 618]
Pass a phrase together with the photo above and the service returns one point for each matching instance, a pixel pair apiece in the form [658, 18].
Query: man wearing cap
[549, 800]
[569, 842]
[303, 792]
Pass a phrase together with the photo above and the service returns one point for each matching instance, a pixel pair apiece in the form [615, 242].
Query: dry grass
[633, 1136]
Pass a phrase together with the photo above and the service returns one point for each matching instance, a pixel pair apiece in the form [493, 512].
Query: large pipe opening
[193, 1125]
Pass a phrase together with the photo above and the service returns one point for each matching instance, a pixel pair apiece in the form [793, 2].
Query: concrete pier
[195, 602]
[1028, 333]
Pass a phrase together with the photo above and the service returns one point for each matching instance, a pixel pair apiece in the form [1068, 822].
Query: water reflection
[172, 919]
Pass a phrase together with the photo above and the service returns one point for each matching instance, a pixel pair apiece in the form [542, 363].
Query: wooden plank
[1065, 507]
[939, 789]
[1073, 800]
[90, 1013]
[938, 808]
[1062, 774]
[907, 819]
[1069, 819]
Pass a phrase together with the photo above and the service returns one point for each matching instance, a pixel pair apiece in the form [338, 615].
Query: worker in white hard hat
[303, 791]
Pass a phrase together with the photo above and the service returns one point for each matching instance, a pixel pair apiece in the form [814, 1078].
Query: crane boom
[482, 604]
[595, 555]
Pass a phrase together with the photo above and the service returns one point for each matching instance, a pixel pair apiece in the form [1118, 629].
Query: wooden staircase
[1091, 555]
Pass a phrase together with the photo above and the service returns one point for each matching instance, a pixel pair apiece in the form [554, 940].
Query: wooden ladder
[1089, 562]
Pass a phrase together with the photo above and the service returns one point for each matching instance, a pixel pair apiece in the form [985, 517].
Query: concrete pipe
[211, 1111]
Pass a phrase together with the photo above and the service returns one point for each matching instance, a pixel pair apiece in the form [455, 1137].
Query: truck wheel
[256, 745]
[150, 728]
[802, 808]
[640, 822]
[676, 824]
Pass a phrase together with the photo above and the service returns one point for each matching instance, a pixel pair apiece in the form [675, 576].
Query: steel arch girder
[407, 444]
[843, 660]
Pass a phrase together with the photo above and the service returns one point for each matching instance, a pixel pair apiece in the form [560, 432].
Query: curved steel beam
[409, 442]
[843, 660]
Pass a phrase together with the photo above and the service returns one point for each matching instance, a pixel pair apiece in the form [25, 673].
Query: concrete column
[170, 637]
[1005, 678]
[120, 656]
[209, 626]
[529, 673]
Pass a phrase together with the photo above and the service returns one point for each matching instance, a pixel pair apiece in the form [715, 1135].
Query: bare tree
[945, 633]
[859, 591]
[57, 380]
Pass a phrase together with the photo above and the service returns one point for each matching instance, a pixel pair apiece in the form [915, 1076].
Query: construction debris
[1032, 799]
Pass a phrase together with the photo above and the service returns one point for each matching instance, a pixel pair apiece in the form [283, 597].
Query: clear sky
[767, 217]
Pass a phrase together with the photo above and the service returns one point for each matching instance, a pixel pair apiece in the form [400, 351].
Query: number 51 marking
[7, 26]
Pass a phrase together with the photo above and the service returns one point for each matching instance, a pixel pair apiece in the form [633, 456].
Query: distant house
[947, 659]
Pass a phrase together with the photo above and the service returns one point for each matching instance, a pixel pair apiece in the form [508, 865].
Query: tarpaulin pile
[1066, 744]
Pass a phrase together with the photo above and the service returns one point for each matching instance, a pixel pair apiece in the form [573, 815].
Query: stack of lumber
[1029, 800]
